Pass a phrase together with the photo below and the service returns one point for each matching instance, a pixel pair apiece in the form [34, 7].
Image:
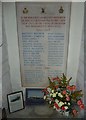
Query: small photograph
[15, 101]
[34, 96]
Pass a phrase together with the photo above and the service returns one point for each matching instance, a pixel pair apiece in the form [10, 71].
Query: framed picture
[34, 96]
[15, 101]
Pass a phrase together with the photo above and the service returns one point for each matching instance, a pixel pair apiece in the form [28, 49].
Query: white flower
[48, 98]
[68, 103]
[54, 107]
[51, 94]
[56, 101]
[60, 95]
[60, 104]
[44, 97]
[54, 94]
[52, 91]
[49, 102]
[49, 90]
[65, 103]
[66, 107]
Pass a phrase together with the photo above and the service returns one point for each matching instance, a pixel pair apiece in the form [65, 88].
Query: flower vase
[66, 113]
[59, 111]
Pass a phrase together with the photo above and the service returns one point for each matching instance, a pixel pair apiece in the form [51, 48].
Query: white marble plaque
[43, 30]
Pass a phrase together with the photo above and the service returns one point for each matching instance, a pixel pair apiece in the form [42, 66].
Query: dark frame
[19, 96]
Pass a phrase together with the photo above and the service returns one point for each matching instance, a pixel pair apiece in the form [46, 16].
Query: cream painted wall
[9, 13]
[80, 74]
[77, 15]
[6, 83]
[76, 26]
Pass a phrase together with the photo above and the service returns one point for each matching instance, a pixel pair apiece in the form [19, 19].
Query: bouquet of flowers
[63, 97]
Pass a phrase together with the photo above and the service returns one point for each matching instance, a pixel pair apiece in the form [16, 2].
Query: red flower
[45, 91]
[82, 106]
[56, 86]
[71, 88]
[79, 102]
[63, 108]
[74, 112]
[56, 105]
[64, 92]
[52, 99]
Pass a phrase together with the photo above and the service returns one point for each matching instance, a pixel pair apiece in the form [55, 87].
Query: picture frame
[34, 96]
[15, 101]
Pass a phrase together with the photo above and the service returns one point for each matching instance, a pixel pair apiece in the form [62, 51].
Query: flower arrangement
[63, 97]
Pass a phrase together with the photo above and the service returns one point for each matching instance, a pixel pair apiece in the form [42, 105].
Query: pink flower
[74, 112]
[68, 87]
[79, 102]
[74, 87]
[82, 106]
[64, 92]
[68, 98]
[71, 88]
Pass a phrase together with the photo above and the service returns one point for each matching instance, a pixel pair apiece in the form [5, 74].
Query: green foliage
[76, 94]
